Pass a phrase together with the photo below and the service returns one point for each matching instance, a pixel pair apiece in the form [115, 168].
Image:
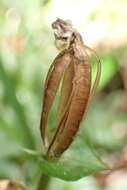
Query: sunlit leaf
[78, 161]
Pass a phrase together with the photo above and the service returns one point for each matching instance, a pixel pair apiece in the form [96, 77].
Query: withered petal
[51, 86]
[65, 100]
[98, 74]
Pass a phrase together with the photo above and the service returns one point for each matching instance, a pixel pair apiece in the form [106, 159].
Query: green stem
[43, 183]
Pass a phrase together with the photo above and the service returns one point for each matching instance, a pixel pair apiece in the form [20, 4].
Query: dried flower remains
[73, 67]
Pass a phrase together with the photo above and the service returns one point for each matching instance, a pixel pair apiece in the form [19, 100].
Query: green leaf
[77, 162]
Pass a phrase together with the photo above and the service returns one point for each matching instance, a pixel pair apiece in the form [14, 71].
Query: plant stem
[43, 182]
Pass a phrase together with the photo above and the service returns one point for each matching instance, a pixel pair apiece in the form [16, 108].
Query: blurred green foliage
[26, 51]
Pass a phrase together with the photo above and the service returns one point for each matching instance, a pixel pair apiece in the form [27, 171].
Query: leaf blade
[78, 161]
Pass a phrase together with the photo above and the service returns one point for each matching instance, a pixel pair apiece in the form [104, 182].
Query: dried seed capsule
[72, 119]
[75, 65]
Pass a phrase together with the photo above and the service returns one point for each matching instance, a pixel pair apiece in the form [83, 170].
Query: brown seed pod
[78, 105]
[74, 65]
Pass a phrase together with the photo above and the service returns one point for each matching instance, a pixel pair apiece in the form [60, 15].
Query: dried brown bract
[73, 65]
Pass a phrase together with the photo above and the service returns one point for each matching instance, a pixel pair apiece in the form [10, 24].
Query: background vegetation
[26, 52]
